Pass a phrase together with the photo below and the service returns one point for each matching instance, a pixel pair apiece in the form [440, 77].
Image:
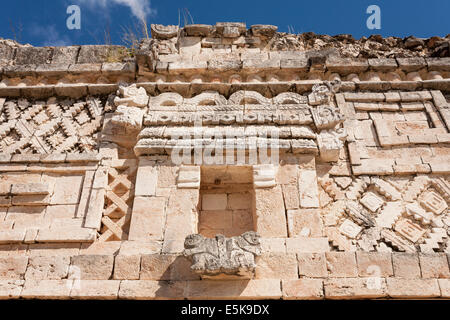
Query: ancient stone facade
[226, 162]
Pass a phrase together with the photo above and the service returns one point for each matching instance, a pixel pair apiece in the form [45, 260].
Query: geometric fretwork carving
[403, 214]
[50, 127]
[119, 202]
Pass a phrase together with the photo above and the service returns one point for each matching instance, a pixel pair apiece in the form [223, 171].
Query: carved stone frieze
[297, 126]
[223, 257]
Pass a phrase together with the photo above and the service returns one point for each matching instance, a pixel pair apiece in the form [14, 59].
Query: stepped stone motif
[280, 166]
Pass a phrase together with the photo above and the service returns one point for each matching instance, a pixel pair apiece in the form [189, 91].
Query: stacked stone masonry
[97, 203]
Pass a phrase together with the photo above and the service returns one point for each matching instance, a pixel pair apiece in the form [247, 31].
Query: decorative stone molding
[264, 176]
[223, 257]
[285, 121]
[162, 32]
[189, 177]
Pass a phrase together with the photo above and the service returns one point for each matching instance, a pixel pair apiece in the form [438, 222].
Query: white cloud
[51, 36]
[140, 8]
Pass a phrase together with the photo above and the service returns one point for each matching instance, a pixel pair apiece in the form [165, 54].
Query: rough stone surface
[302, 289]
[91, 267]
[312, 265]
[413, 288]
[354, 288]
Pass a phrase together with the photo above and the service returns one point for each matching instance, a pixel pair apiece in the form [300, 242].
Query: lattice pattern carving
[50, 127]
[118, 202]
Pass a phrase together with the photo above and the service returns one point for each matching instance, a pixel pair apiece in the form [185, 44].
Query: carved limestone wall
[329, 167]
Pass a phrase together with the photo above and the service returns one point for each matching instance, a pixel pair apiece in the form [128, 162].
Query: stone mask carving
[220, 256]
[326, 117]
[322, 93]
[132, 96]
[129, 102]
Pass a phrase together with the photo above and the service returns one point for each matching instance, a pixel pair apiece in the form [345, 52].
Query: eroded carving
[322, 93]
[326, 117]
[131, 96]
[220, 256]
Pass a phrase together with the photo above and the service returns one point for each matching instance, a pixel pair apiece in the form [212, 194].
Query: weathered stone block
[47, 268]
[139, 247]
[378, 264]
[444, 285]
[354, 288]
[10, 289]
[127, 267]
[150, 289]
[307, 185]
[302, 289]
[274, 245]
[406, 265]
[95, 289]
[307, 245]
[346, 66]
[47, 289]
[411, 64]
[312, 265]
[65, 55]
[270, 213]
[100, 53]
[304, 223]
[166, 267]
[298, 64]
[66, 234]
[412, 288]
[214, 201]
[240, 289]
[276, 266]
[291, 196]
[13, 267]
[33, 55]
[434, 265]
[148, 218]
[342, 264]
[91, 267]
[383, 64]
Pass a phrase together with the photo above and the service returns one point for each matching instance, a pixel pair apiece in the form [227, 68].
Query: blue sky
[43, 22]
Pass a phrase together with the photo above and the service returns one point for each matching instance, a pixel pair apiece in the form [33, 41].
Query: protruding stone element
[128, 117]
[223, 257]
[231, 29]
[132, 96]
[326, 117]
[322, 93]
[264, 30]
[162, 32]
[264, 176]
[189, 177]
[129, 100]
[433, 202]
[330, 143]
[198, 30]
